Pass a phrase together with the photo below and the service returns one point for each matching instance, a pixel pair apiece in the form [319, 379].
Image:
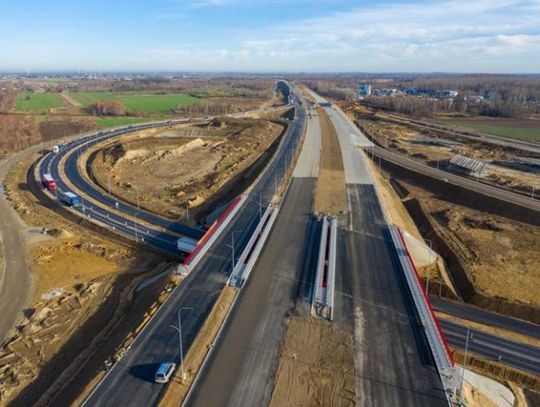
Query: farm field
[38, 102]
[135, 102]
[524, 129]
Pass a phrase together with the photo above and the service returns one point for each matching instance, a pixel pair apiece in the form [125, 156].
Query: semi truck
[48, 182]
[69, 198]
[186, 244]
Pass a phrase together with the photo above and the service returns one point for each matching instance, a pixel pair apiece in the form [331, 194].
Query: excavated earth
[170, 170]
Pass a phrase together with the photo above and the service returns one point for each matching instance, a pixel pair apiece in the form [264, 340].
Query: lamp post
[465, 357]
[429, 264]
[232, 246]
[179, 330]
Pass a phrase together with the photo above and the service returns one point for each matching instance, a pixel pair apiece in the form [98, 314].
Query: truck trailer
[48, 182]
[186, 244]
[69, 198]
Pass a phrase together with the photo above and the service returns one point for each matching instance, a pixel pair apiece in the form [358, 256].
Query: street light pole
[232, 246]
[179, 330]
[465, 359]
[135, 224]
[429, 264]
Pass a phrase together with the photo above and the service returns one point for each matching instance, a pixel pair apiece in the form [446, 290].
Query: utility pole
[179, 330]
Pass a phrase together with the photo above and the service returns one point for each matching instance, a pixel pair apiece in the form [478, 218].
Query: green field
[134, 102]
[525, 129]
[121, 121]
[38, 102]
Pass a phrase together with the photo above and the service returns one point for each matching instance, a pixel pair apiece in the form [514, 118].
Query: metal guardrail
[437, 343]
[249, 256]
[323, 293]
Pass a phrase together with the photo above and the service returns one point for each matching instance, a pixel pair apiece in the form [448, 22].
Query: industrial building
[364, 89]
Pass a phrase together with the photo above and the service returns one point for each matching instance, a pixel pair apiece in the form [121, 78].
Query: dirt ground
[165, 171]
[330, 195]
[73, 274]
[176, 392]
[475, 398]
[316, 366]
[500, 255]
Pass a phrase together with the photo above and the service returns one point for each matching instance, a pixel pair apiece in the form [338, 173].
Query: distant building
[364, 89]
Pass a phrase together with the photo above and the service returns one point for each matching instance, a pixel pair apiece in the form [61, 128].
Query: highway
[481, 316]
[463, 182]
[393, 360]
[491, 347]
[130, 382]
[242, 368]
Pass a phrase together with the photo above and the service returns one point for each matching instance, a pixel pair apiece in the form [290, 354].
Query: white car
[165, 372]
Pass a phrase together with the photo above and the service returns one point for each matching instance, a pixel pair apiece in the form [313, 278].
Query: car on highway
[165, 372]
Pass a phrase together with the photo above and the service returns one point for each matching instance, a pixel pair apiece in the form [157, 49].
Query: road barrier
[323, 294]
[437, 342]
[249, 256]
[210, 236]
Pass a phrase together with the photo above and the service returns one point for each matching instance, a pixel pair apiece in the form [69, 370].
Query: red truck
[48, 182]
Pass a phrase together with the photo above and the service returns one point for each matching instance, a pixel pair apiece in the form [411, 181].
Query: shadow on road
[145, 372]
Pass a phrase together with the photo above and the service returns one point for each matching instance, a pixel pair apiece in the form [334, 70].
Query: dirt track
[330, 196]
[316, 366]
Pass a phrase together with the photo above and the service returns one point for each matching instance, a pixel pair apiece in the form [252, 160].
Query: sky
[497, 36]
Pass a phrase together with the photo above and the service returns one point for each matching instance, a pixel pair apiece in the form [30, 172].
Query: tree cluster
[18, 132]
[7, 100]
[108, 108]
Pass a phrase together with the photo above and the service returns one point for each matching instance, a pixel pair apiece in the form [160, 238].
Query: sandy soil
[48, 325]
[176, 392]
[330, 194]
[316, 366]
[475, 398]
[73, 274]
[168, 170]
[500, 255]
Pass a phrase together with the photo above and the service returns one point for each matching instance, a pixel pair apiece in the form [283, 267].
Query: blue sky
[271, 35]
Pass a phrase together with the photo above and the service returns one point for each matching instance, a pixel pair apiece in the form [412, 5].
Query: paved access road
[130, 382]
[242, 368]
[481, 316]
[467, 183]
[492, 347]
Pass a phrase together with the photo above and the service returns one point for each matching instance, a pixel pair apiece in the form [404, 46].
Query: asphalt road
[481, 316]
[243, 365]
[130, 382]
[492, 347]
[467, 183]
[393, 361]
[394, 365]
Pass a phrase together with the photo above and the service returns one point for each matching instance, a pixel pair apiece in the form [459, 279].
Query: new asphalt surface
[130, 382]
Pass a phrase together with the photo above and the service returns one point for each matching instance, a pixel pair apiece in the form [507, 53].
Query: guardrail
[210, 236]
[323, 294]
[249, 256]
[437, 342]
